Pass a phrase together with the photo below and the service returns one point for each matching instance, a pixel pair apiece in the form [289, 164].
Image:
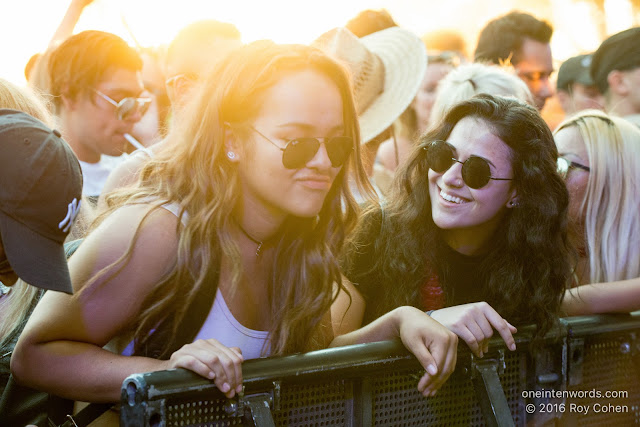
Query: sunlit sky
[26, 26]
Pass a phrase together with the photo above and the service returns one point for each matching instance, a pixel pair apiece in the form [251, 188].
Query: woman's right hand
[474, 323]
[214, 361]
[435, 347]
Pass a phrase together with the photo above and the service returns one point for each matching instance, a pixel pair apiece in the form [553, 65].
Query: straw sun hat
[386, 67]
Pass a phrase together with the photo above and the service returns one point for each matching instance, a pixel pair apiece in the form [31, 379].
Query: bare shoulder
[114, 270]
[125, 174]
[148, 234]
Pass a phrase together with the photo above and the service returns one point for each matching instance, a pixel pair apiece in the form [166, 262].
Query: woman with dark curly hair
[478, 213]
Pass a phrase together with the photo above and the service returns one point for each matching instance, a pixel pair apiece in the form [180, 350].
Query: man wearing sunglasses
[522, 40]
[193, 52]
[97, 92]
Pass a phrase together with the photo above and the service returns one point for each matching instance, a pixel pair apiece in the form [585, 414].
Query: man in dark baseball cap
[575, 88]
[615, 69]
[40, 193]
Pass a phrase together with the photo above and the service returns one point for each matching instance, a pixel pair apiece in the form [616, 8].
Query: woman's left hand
[474, 323]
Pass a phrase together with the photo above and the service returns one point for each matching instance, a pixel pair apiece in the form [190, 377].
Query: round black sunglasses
[476, 172]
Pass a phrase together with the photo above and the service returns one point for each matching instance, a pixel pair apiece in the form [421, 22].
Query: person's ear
[68, 102]
[514, 200]
[231, 144]
[618, 83]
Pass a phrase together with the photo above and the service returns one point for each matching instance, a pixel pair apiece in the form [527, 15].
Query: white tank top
[220, 323]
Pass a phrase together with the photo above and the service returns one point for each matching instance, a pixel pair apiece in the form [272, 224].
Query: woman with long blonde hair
[600, 160]
[226, 249]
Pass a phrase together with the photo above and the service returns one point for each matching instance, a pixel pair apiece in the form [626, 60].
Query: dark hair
[502, 38]
[370, 21]
[80, 62]
[529, 263]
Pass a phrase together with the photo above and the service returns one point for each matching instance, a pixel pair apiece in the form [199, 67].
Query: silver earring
[514, 204]
[231, 155]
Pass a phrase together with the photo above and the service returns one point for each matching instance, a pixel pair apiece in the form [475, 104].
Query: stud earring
[231, 155]
[513, 204]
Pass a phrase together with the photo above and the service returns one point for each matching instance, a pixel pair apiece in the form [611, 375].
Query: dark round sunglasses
[476, 172]
[299, 151]
[565, 164]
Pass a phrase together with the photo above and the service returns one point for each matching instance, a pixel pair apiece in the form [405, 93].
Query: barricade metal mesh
[610, 364]
[199, 413]
[312, 405]
[397, 401]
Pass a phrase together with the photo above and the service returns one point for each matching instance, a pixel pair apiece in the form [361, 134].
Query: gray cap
[575, 70]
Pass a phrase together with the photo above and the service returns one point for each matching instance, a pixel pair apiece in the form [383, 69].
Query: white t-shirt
[94, 175]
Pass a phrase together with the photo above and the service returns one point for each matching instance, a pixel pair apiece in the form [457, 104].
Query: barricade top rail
[356, 360]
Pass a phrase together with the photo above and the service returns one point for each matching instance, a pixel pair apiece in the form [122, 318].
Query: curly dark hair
[396, 248]
[502, 38]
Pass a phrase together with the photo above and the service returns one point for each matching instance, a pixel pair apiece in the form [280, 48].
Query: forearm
[77, 371]
[68, 23]
[611, 297]
[383, 328]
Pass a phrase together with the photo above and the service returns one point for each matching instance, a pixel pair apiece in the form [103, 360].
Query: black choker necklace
[257, 242]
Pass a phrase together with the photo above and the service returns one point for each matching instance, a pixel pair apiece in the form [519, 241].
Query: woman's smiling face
[470, 216]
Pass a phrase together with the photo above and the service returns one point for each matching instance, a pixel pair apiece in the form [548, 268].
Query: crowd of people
[272, 199]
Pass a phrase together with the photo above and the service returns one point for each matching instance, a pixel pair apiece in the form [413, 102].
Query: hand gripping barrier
[376, 384]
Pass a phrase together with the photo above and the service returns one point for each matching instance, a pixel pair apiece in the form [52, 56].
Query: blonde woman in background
[472, 79]
[600, 160]
[460, 84]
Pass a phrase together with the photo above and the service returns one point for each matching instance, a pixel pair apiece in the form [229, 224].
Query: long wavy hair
[194, 172]
[528, 264]
[611, 219]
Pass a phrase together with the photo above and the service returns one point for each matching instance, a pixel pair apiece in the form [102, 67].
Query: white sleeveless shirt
[220, 323]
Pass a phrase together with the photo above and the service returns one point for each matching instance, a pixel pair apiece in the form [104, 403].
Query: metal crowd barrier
[554, 382]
